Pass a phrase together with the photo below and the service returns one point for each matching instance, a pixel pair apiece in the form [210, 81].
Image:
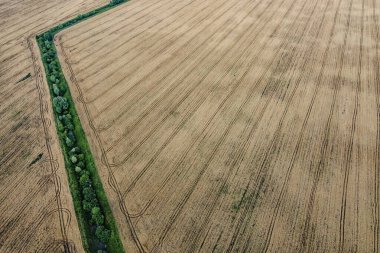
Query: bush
[81, 157]
[102, 233]
[70, 135]
[60, 127]
[62, 87]
[115, 2]
[47, 44]
[88, 193]
[68, 123]
[69, 142]
[60, 104]
[73, 159]
[89, 204]
[70, 126]
[56, 90]
[97, 216]
[74, 150]
[84, 179]
[81, 164]
[48, 36]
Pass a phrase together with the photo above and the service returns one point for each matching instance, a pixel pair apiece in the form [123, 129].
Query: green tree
[69, 142]
[88, 192]
[78, 169]
[89, 204]
[97, 216]
[60, 104]
[80, 164]
[84, 179]
[56, 90]
[71, 135]
[74, 150]
[102, 233]
[73, 159]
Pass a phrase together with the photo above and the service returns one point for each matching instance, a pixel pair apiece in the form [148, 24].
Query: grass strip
[96, 222]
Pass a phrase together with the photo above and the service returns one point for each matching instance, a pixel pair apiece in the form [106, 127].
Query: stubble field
[238, 126]
[36, 210]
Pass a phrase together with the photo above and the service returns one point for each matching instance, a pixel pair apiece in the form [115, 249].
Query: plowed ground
[36, 210]
[238, 126]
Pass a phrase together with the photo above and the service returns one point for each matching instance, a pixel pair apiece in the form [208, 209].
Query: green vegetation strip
[96, 222]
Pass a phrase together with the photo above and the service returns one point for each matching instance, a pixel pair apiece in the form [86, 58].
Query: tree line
[96, 223]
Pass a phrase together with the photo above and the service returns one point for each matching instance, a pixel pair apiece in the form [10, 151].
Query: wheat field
[234, 126]
[36, 209]
[238, 126]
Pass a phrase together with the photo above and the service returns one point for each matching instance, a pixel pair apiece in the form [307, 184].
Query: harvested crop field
[36, 210]
[239, 126]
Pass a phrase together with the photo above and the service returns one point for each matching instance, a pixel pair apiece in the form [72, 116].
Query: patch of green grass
[224, 189]
[236, 206]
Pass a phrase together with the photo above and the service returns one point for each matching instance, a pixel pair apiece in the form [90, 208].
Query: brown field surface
[234, 126]
[36, 210]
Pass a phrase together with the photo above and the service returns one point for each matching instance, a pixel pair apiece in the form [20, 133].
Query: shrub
[56, 90]
[47, 44]
[88, 193]
[48, 36]
[97, 216]
[74, 150]
[60, 126]
[88, 204]
[68, 123]
[70, 135]
[69, 142]
[73, 159]
[81, 157]
[70, 126]
[52, 78]
[60, 104]
[115, 2]
[80, 164]
[85, 179]
[62, 87]
[102, 233]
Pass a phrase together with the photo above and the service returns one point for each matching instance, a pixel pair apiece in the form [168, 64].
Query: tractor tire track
[179, 207]
[348, 159]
